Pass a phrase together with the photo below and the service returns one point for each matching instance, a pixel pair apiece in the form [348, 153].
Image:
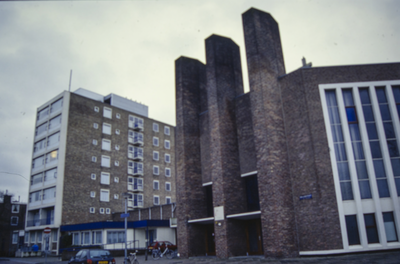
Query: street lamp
[126, 195]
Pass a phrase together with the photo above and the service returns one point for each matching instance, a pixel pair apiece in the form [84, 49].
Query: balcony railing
[40, 222]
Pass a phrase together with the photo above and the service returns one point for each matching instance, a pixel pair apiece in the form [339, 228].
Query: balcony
[135, 138]
[136, 123]
[135, 187]
[40, 222]
[135, 204]
[137, 154]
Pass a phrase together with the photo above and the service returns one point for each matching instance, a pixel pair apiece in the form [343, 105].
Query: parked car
[161, 245]
[92, 256]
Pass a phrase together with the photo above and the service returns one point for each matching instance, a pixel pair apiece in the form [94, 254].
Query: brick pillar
[265, 64]
[190, 82]
[224, 83]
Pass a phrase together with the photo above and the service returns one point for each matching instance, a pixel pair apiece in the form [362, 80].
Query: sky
[129, 47]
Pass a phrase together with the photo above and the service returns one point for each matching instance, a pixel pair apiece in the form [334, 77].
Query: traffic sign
[47, 230]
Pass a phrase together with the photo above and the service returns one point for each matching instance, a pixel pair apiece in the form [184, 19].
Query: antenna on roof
[70, 77]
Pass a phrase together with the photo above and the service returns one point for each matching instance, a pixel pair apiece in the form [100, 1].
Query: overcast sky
[129, 48]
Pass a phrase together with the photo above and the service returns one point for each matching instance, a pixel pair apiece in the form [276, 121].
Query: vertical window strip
[339, 145]
[390, 139]
[359, 158]
[396, 161]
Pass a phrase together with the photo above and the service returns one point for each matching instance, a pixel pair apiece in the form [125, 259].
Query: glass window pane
[368, 114]
[334, 115]
[361, 170]
[383, 188]
[397, 181]
[347, 193]
[375, 149]
[331, 98]
[380, 93]
[337, 133]
[364, 95]
[351, 114]
[389, 130]
[390, 227]
[396, 167]
[379, 169]
[358, 151]
[354, 132]
[365, 190]
[371, 129]
[370, 226]
[392, 147]
[343, 170]
[340, 152]
[352, 230]
[348, 97]
[396, 93]
[385, 112]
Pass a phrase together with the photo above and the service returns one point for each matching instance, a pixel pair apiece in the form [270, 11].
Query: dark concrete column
[224, 83]
[190, 85]
[265, 64]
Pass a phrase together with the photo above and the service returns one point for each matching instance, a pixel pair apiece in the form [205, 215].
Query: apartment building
[306, 163]
[89, 150]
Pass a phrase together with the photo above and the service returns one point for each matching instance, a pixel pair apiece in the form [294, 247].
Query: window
[85, 238]
[105, 161]
[42, 114]
[39, 237]
[38, 178]
[390, 227]
[52, 156]
[155, 155]
[167, 144]
[94, 158]
[117, 131]
[106, 144]
[116, 196]
[107, 112]
[106, 129]
[118, 116]
[135, 184]
[167, 172]
[167, 158]
[55, 122]
[96, 109]
[15, 208]
[34, 197]
[352, 230]
[105, 178]
[116, 147]
[15, 237]
[50, 175]
[168, 200]
[101, 210]
[116, 163]
[95, 125]
[57, 105]
[166, 130]
[94, 142]
[40, 145]
[156, 170]
[115, 237]
[33, 237]
[26, 237]
[156, 185]
[92, 194]
[54, 235]
[155, 127]
[53, 139]
[138, 200]
[49, 193]
[135, 168]
[135, 137]
[104, 195]
[97, 237]
[93, 176]
[370, 226]
[14, 220]
[156, 200]
[155, 141]
[38, 162]
[40, 130]
[135, 153]
[135, 122]
[168, 186]
[108, 211]
[92, 211]
[116, 179]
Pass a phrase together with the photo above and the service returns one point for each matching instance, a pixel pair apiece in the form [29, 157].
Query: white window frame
[117, 131]
[94, 159]
[116, 179]
[156, 199]
[117, 147]
[104, 162]
[168, 198]
[156, 170]
[167, 144]
[96, 109]
[103, 192]
[167, 130]
[167, 172]
[107, 128]
[106, 144]
[92, 194]
[101, 210]
[116, 196]
[156, 155]
[156, 141]
[108, 211]
[94, 142]
[15, 237]
[95, 125]
[105, 178]
[116, 163]
[92, 210]
[93, 176]
[11, 222]
[14, 206]
[168, 184]
[155, 127]
[118, 115]
[167, 158]
[156, 185]
[107, 112]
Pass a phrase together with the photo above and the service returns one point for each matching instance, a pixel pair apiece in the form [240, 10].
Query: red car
[161, 245]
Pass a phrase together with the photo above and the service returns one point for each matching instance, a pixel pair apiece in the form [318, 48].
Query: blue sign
[306, 197]
[124, 215]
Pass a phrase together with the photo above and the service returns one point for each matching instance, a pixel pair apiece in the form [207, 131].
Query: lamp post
[126, 195]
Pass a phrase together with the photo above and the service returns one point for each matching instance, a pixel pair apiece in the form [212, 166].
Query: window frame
[107, 112]
[103, 191]
[156, 185]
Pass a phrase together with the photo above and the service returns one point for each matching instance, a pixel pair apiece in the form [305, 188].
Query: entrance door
[254, 237]
[210, 239]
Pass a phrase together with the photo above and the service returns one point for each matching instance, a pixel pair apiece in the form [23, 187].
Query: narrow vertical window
[370, 227]
[352, 230]
[390, 227]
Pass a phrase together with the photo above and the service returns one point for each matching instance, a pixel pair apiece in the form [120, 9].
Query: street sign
[124, 215]
[47, 230]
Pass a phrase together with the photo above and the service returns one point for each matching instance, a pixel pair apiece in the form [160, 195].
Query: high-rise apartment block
[306, 163]
[89, 151]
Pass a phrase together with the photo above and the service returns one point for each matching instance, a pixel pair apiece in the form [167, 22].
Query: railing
[39, 222]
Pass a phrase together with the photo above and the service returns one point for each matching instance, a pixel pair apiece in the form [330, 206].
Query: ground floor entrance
[210, 239]
[254, 239]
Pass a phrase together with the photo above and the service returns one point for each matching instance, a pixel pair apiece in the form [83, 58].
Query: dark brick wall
[190, 82]
[265, 64]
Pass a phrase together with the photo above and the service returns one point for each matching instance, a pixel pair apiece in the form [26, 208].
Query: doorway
[254, 237]
[210, 239]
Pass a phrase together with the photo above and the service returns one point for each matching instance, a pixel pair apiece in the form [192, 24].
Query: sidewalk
[387, 257]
